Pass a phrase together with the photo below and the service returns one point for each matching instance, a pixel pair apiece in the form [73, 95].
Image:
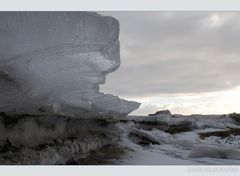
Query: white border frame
[119, 5]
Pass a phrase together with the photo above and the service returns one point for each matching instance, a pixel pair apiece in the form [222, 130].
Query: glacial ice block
[53, 62]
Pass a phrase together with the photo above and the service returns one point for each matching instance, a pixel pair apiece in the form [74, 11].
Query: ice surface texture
[53, 62]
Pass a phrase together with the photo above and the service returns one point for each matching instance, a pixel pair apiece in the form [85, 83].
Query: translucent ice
[53, 62]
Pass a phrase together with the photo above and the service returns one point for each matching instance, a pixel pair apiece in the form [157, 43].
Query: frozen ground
[183, 148]
[131, 140]
[169, 155]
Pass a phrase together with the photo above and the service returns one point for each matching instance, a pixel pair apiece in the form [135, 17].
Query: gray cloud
[176, 52]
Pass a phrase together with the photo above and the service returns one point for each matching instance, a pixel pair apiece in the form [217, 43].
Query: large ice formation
[53, 63]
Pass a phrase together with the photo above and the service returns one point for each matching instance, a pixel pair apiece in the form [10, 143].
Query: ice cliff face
[53, 63]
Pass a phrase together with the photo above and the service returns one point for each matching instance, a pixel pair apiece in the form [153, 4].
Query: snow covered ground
[170, 154]
[183, 148]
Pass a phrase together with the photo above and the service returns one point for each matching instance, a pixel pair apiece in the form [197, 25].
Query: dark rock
[8, 147]
[182, 126]
[71, 161]
[173, 129]
[104, 155]
[161, 112]
[223, 134]
[235, 117]
[141, 140]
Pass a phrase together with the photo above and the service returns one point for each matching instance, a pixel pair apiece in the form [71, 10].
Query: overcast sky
[187, 62]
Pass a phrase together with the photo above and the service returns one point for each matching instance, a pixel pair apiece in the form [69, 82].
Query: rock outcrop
[167, 112]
